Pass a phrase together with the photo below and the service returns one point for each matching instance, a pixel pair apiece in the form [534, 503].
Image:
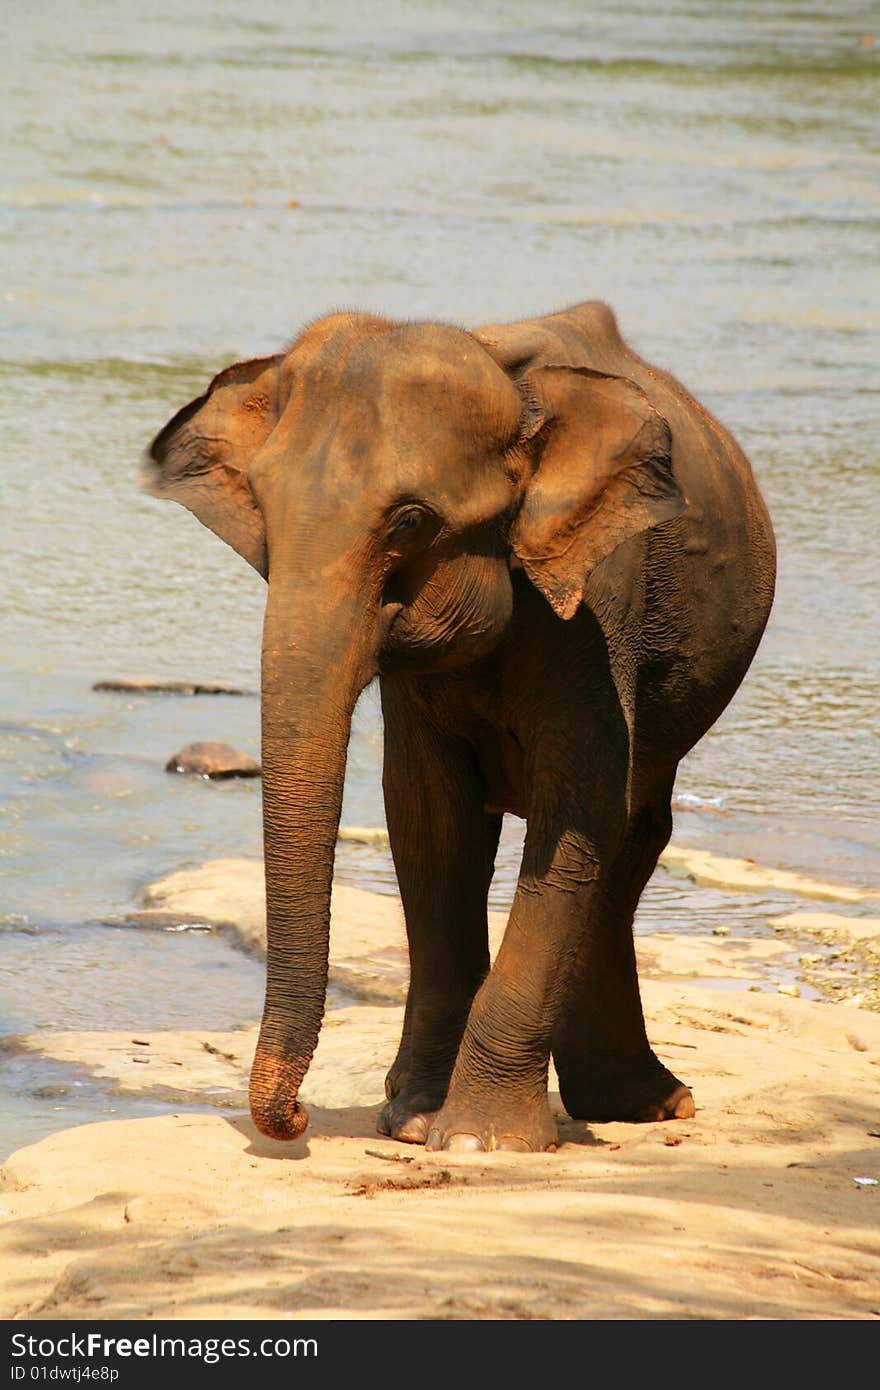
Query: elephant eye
[411, 525]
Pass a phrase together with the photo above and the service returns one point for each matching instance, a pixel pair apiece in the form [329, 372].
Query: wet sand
[762, 1206]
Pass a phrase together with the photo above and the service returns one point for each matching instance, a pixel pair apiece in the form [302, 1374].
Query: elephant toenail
[413, 1130]
[514, 1144]
[464, 1143]
[685, 1109]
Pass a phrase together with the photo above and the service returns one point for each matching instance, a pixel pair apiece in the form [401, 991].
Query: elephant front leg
[444, 845]
[497, 1095]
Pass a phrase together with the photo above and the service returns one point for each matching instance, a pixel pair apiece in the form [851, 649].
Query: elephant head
[385, 478]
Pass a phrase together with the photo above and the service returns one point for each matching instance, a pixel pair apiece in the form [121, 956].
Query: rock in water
[212, 760]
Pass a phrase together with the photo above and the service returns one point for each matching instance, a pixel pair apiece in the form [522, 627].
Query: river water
[183, 186]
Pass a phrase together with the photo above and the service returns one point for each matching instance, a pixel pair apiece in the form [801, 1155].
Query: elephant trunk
[314, 668]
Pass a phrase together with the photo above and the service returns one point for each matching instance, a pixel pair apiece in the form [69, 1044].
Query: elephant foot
[396, 1078]
[479, 1129]
[408, 1116]
[421, 1070]
[650, 1094]
[415, 1089]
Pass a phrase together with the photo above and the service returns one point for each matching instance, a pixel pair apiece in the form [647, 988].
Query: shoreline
[368, 956]
[762, 1206]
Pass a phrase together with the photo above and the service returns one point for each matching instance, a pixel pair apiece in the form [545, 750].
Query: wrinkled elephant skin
[559, 567]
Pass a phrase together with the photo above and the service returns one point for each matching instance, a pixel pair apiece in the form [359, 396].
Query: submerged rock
[212, 760]
[363, 834]
[168, 687]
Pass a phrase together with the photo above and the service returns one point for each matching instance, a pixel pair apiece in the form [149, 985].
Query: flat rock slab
[744, 875]
[214, 760]
[368, 951]
[168, 687]
[749, 1210]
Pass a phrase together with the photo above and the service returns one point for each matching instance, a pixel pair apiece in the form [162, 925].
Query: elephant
[559, 567]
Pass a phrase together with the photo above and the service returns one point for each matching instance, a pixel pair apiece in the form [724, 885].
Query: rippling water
[183, 189]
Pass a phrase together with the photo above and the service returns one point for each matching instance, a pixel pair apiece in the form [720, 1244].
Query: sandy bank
[752, 1209]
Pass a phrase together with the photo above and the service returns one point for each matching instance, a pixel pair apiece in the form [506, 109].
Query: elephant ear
[603, 473]
[200, 458]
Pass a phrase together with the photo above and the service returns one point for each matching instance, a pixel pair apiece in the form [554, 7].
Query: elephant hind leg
[605, 1064]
